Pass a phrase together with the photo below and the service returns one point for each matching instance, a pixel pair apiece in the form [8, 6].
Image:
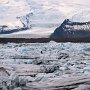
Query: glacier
[47, 16]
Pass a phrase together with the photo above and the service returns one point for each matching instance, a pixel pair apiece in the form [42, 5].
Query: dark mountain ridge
[69, 29]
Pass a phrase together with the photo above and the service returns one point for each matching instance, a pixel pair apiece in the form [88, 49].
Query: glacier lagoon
[32, 65]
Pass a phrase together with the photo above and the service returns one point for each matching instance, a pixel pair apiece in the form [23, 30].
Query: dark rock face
[70, 29]
[10, 31]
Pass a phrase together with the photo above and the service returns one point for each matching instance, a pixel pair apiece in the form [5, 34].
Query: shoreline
[44, 40]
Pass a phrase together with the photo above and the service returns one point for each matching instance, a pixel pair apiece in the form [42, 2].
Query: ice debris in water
[28, 63]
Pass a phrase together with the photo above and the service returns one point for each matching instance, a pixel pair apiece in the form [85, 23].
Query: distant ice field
[47, 14]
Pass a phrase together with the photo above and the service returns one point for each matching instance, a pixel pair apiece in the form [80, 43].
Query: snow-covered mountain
[47, 14]
[72, 30]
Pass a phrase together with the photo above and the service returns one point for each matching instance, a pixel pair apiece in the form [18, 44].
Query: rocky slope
[69, 29]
